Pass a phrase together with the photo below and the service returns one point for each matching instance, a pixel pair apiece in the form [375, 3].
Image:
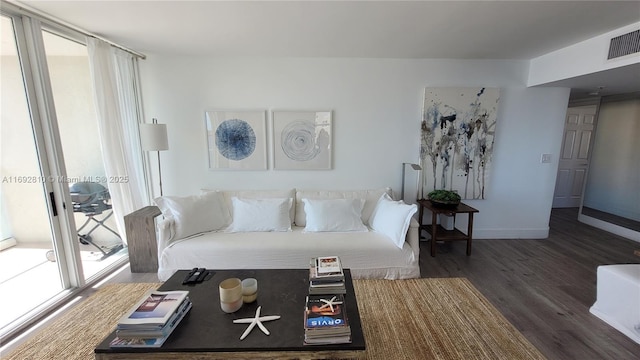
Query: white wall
[613, 185]
[377, 106]
[586, 57]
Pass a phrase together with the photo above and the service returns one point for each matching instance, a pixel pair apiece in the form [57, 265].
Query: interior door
[574, 155]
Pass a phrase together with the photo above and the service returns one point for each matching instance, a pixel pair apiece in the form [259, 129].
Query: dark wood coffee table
[209, 333]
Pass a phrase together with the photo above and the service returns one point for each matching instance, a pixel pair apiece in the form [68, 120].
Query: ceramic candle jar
[230, 295]
[249, 290]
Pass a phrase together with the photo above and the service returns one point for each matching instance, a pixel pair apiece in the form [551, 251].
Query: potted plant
[444, 198]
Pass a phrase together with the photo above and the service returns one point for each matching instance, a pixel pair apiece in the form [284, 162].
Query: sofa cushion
[334, 215]
[392, 218]
[194, 214]
[367, 254]
[370, 198]
[258, 194]
[261, 215]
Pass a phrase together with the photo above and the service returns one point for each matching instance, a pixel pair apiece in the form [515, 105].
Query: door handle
[54, 209]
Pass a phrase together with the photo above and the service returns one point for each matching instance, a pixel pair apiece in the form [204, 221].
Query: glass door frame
[28, 27]
[37, 86]
[45, 125]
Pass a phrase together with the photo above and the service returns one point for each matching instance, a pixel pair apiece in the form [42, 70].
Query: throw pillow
[194, 214]
[334, 215]
[392, 218]
[260, 215]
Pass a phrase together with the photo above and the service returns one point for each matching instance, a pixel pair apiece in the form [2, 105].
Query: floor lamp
[153, 137]
[414, 167]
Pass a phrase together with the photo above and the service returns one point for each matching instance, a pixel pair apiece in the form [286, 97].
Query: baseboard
[502, 234]
[511, 233]
[7, 243]
[612, 228]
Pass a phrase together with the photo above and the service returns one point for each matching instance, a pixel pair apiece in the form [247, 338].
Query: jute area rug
[444, 318]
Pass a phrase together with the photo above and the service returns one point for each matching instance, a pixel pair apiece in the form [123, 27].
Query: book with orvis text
[325, 311]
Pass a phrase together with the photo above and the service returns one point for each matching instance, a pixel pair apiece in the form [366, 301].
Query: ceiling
[373, 29]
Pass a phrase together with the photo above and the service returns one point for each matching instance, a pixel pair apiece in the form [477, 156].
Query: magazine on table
[329, 276]
[328, 265]
[149, 342]
[327, 290]
[332, 277]
[146, 332]
[325, 311]
[325, 320]
[332, 284]
[155, 308]
[342, 339]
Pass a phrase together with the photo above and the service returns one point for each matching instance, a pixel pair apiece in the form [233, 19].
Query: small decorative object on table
[230, 295]
[256, 320]
[249, 290]
[444, 198]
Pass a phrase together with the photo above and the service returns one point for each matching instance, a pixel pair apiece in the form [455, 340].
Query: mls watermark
[29, 179]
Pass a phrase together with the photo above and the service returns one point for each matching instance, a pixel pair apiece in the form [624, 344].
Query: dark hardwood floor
[545, 287]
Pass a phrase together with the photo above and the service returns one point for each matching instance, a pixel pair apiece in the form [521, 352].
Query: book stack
[150, 322]
[325, 320]
[325, 315]
[326, 276]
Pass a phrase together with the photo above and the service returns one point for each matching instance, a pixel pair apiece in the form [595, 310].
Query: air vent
[624, 45]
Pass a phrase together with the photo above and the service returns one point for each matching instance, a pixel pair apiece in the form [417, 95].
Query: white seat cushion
[291, 250]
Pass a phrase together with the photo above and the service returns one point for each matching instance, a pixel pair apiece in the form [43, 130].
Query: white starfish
[255, 320]
[329, 303]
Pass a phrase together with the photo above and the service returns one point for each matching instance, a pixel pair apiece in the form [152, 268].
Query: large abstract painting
[236, 140]
[457, 136]
[302, 140]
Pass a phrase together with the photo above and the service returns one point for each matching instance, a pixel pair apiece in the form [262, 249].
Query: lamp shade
[153, 137]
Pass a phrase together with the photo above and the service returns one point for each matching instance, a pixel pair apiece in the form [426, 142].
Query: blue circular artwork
[298, 140]
[235, 139]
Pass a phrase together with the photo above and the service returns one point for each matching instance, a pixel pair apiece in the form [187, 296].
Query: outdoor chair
[92, 200]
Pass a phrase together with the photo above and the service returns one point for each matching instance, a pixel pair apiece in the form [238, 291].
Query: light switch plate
[545, 158]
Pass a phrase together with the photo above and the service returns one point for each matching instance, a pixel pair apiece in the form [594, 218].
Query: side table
[439, 233]
[141, 238]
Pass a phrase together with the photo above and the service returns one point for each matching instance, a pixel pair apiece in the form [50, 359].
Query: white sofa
[368, 254]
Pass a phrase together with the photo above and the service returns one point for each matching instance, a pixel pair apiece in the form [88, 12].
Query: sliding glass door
[57, 225]
[27, 278]
[71, 86]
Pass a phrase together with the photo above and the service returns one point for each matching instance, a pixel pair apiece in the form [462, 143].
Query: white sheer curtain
[116, 97]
